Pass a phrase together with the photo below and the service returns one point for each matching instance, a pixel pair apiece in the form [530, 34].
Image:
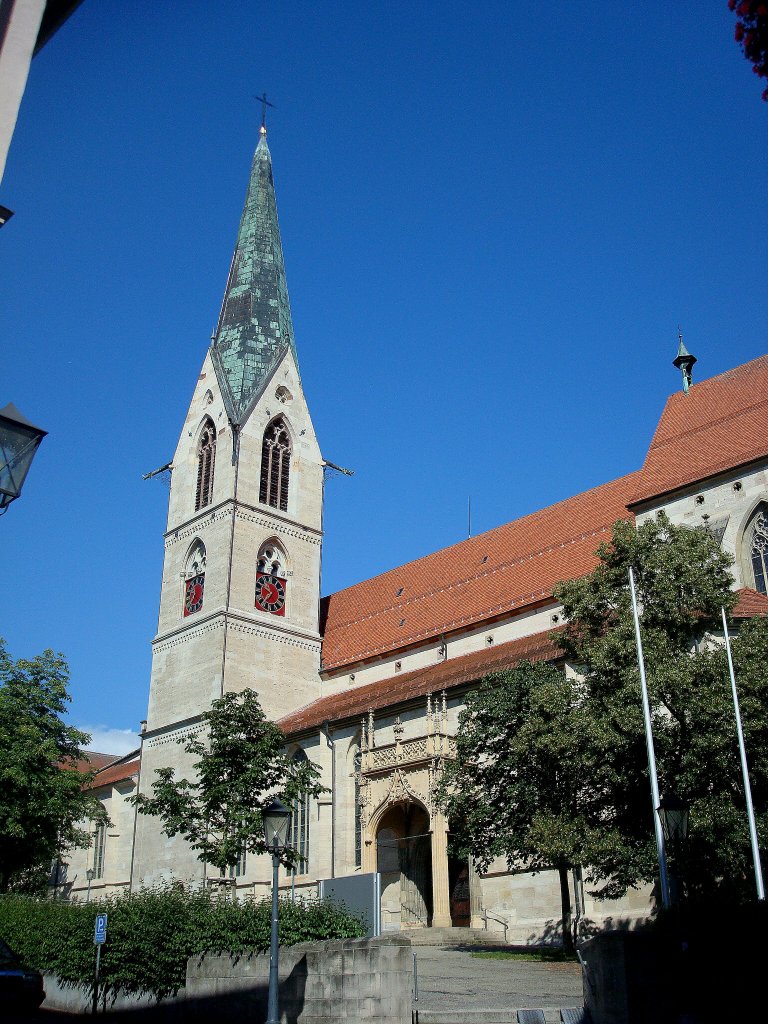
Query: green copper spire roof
[254, 329]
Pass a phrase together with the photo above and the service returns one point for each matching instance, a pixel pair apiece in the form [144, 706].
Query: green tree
[683, 580]
[241, 766]
[516, 788]
[43, 803]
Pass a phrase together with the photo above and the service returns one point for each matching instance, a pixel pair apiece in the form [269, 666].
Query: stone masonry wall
[320, 983]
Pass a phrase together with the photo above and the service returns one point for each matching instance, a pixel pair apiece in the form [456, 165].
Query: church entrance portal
[404, 858]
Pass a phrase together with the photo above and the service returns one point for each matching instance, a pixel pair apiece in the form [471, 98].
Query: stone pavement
[457, 988]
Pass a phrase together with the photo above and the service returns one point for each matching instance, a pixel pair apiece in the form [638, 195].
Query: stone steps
[454, 938]
[570, 1015]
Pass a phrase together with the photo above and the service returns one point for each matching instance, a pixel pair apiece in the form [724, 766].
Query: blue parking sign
[100, 933]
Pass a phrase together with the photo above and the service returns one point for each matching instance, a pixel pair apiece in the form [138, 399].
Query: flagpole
[744, 770]
[663, 876]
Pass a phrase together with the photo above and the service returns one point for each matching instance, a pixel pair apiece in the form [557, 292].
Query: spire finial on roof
[684, 362]
[264, 104]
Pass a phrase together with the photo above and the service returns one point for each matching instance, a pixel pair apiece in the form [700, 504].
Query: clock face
[193, 594]
[270, 594]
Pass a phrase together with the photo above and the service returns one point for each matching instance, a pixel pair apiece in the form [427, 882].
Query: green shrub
[152, 933]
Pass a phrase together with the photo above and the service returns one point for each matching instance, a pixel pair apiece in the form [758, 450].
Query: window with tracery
[758, 550]
[299, 826]
[271, 582]
[206, 457]
[99, 843]
[275, 466]
[271, 560]
[194, 579]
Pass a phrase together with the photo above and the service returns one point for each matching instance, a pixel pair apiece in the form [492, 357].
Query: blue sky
[494, 216]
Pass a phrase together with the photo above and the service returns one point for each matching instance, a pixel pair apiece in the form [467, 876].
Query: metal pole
[744, 770]
[94, 1008]
[272, 1006]
[663, 876]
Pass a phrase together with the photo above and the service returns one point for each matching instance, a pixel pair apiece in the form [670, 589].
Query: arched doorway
[404, 858]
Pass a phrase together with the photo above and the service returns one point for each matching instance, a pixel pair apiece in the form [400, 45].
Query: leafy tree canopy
[516, 788]
[683, 580]
[241, 767]
[551, 768]
[43, 805]
[752, 34]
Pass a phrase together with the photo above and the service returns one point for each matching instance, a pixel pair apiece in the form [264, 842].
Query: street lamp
[90, 875]
[19, 440]
[276, 818]
[673, 815]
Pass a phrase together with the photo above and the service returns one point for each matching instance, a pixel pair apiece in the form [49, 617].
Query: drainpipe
[330, 743]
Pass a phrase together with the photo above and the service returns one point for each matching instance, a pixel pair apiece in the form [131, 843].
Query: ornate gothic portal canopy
[403, 776]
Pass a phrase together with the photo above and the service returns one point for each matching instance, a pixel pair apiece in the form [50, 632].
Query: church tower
[240, 592]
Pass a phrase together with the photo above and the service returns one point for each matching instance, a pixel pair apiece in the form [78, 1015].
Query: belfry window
[206, 457]
[275, 466]
[757, 539]
[298, 836]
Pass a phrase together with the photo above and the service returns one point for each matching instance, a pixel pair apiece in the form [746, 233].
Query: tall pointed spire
[254, 329]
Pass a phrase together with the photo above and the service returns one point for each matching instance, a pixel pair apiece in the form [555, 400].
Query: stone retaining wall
[320, 983]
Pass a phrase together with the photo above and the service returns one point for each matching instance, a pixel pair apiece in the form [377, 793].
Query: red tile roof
[403, 687]
[504, 570]
[720, 424]
[92, 761]
[116, 773]
[750, 603]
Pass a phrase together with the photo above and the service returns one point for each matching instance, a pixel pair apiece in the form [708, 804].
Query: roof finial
[264, 104]
[684, 361]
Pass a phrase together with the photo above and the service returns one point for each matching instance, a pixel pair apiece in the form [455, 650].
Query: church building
[369, 682]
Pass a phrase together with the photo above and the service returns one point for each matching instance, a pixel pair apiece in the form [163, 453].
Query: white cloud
[107, 740]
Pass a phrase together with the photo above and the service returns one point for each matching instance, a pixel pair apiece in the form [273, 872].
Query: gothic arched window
[299, 827]
[275, 465]
[756, 538]
[271, 559]
[206, 457]
[194, 578]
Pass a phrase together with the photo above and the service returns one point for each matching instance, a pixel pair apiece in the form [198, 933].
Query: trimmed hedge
[152, 933]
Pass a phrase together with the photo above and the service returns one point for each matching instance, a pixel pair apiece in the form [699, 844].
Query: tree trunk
[566, 911]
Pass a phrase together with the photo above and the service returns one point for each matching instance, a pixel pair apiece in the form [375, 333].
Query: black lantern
[19, 440]
[276, 818]
[673, 814]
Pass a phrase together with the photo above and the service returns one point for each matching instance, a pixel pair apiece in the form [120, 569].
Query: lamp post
[276, 818]
[19, 440]
[673, 816]
[89, 874]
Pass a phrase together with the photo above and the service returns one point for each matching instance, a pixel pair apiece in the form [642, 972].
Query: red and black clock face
[193, 594]
[270, 594]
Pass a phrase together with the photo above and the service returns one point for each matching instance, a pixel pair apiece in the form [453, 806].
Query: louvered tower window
[299, 826]
[206, 457]
[275, 466]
